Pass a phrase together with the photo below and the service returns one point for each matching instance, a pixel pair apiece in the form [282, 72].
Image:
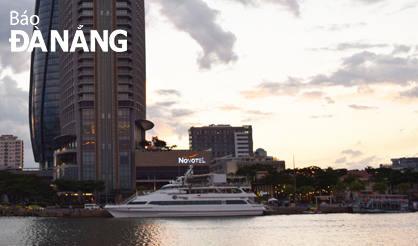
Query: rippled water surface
[307, 229]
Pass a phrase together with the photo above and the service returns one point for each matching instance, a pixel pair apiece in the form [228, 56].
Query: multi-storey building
[401, 163]
[44, 119]
[11, 152]
[230, 164]
[102, 94]
[224, 140]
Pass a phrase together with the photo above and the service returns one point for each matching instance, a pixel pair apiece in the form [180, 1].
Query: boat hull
[155, 212]
[376, 210]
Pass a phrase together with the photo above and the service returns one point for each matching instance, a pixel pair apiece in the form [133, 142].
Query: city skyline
[332, 83]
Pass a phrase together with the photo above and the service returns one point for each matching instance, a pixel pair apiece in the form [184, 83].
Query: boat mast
[294, 178]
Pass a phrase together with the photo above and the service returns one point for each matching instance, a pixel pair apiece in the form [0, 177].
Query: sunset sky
[334, 83]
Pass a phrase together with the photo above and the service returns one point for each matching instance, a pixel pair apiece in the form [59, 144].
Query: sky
[332, 83]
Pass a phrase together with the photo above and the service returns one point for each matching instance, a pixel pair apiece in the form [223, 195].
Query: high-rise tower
[44, 88]
[102, 94]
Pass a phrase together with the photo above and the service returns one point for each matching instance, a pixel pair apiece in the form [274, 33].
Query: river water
[306, 229]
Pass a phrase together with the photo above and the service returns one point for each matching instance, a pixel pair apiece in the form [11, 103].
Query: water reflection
[321, 229]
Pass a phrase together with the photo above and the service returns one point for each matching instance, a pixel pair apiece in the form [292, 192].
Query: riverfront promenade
[57, 212]
[81, 213]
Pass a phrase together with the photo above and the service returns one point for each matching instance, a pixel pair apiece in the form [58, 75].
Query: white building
[229, 164]
[11, 152]
[242, 144]
[401, 163]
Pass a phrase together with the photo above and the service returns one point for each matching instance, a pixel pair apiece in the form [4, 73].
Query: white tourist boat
[182, 198]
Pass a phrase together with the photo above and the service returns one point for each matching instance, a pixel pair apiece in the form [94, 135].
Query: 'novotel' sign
[191, 159]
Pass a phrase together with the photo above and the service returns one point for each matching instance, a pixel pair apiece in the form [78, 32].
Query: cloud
[267, 88]
[197, 19]
[181, 112]
[356, 45]
[344, 26]
[314, 94]
[229, 108]
[338, 27]
[13, 101]
[14, 118]
[329, 100]
[367, 68]
[341, 160]
[256, 112]
[401, 49]
[168, 123]
[370, 1]
[359, 107]
[168, 92]
[319, 117]
[412, 93]
[291, 5]
[365, 89]
[180, 129]
[17, 61]
[164, 104]
[363, 163]
[353, 153]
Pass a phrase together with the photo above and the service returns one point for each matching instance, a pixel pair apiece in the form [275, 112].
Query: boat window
[137, 203]
[235, 202]
[168, 187]
[168, 203]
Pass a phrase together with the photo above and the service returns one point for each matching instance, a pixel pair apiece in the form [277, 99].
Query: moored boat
[381, 204]
[182, 198]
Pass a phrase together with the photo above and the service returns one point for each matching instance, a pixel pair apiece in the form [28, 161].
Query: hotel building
[102, 95]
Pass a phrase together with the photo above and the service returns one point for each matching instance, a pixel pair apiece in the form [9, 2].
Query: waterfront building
[102, 95]
[156, 167]
[224, 140]
[11, 152]
[228, 164]
[401, 163]
[44, 114]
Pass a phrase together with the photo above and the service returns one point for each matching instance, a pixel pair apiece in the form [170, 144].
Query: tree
[324, 179]
[356, 186]
[23, 187]
[339, 186]
[351, 178]
[65, 185]
[144, 143]
[289, 190]
[404, 187]
[307, 190]
[250, 171]
[158, 143]
[90, 186]
[380, 187]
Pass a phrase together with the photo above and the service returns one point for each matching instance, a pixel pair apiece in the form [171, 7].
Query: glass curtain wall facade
[102, 94]
[44, 88]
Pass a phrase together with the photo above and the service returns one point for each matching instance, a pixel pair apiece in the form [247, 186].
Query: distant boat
[181, 198]
[381, 204]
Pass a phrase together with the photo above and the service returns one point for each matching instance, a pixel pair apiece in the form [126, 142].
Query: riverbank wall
[64, 213]
[81, 213]
[272, 210]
